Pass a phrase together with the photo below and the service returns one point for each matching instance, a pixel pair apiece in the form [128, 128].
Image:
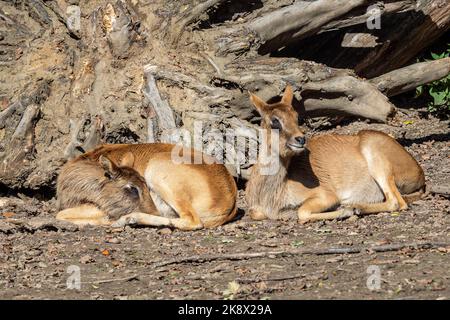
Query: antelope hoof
[118, 224]
[124, 221]
[304, 218]
[349, 212]
[257, 215]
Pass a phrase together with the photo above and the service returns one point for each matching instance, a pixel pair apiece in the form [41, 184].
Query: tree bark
[337, 33]
[410, 77]
[127, 71]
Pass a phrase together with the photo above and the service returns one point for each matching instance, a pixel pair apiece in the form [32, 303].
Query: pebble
[165, 231]
[86, 259]
[113, 240]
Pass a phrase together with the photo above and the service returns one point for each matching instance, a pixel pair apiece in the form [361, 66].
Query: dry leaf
[233, 289]
[8, 214]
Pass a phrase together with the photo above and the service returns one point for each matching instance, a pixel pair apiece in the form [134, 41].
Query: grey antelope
[368, 172]
[185, 195]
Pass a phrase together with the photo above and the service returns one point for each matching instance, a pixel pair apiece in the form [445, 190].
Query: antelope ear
[288, 95]
[259, 104]
[127, 160]
[107, 165]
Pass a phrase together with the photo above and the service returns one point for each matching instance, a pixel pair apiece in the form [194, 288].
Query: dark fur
[83, 181]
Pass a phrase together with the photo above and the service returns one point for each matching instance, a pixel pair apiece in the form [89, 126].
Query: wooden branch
[164, 114]
[354, 18]
[39, 13]
[410, 77]
[427, 21]
[212, 63]
[282, 26]
[294, 22]
[325, 251]
[75, 128]
[324, 90]
[27, 122]
[193, 16]
[125, 279]
[118, 24]
[94, 136]
[16, 107]
[283, 278]
[337, 34]
[407, 27]
[54, 7]
[347, 95]
[37, 96]
[181, 80]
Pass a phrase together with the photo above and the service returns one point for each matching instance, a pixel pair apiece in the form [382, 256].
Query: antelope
[99, 192]
[366, 173]
[185, 195]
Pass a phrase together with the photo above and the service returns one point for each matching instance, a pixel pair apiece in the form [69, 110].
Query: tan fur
[369, 172]
[93, 192]
[187, 196]
[85, 214]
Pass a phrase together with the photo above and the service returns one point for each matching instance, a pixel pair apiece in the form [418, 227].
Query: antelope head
[281, 118]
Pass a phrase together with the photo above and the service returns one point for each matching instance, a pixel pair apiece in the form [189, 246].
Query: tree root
[193, 16]
[164, 115]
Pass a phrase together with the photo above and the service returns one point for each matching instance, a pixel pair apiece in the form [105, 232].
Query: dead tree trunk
[74, 74]
[410, 77]
[371, 37]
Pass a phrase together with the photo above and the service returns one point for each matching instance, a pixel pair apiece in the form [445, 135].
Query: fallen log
[339, 33]
[282, 26]
[346, 95]
[410, 77]
[292, 23]
[405, 29]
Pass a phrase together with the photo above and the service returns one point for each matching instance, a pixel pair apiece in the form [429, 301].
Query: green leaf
[438, 92]
[436, 56]
[439, 97]
[419, 91]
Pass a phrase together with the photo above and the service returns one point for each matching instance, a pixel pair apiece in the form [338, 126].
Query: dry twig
[325, 251]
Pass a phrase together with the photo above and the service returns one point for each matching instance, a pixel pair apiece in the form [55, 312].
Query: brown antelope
[187, 196]
[99, 192]
[367, 172]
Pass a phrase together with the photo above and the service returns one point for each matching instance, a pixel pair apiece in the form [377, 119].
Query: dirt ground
[121, 264]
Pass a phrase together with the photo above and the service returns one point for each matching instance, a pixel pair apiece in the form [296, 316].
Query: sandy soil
[122, 264]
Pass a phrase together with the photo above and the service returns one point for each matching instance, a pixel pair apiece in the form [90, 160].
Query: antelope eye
[275, 124]
[132, 191]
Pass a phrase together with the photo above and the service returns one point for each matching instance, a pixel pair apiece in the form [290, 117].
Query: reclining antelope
[141, 184]
[367, 172]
